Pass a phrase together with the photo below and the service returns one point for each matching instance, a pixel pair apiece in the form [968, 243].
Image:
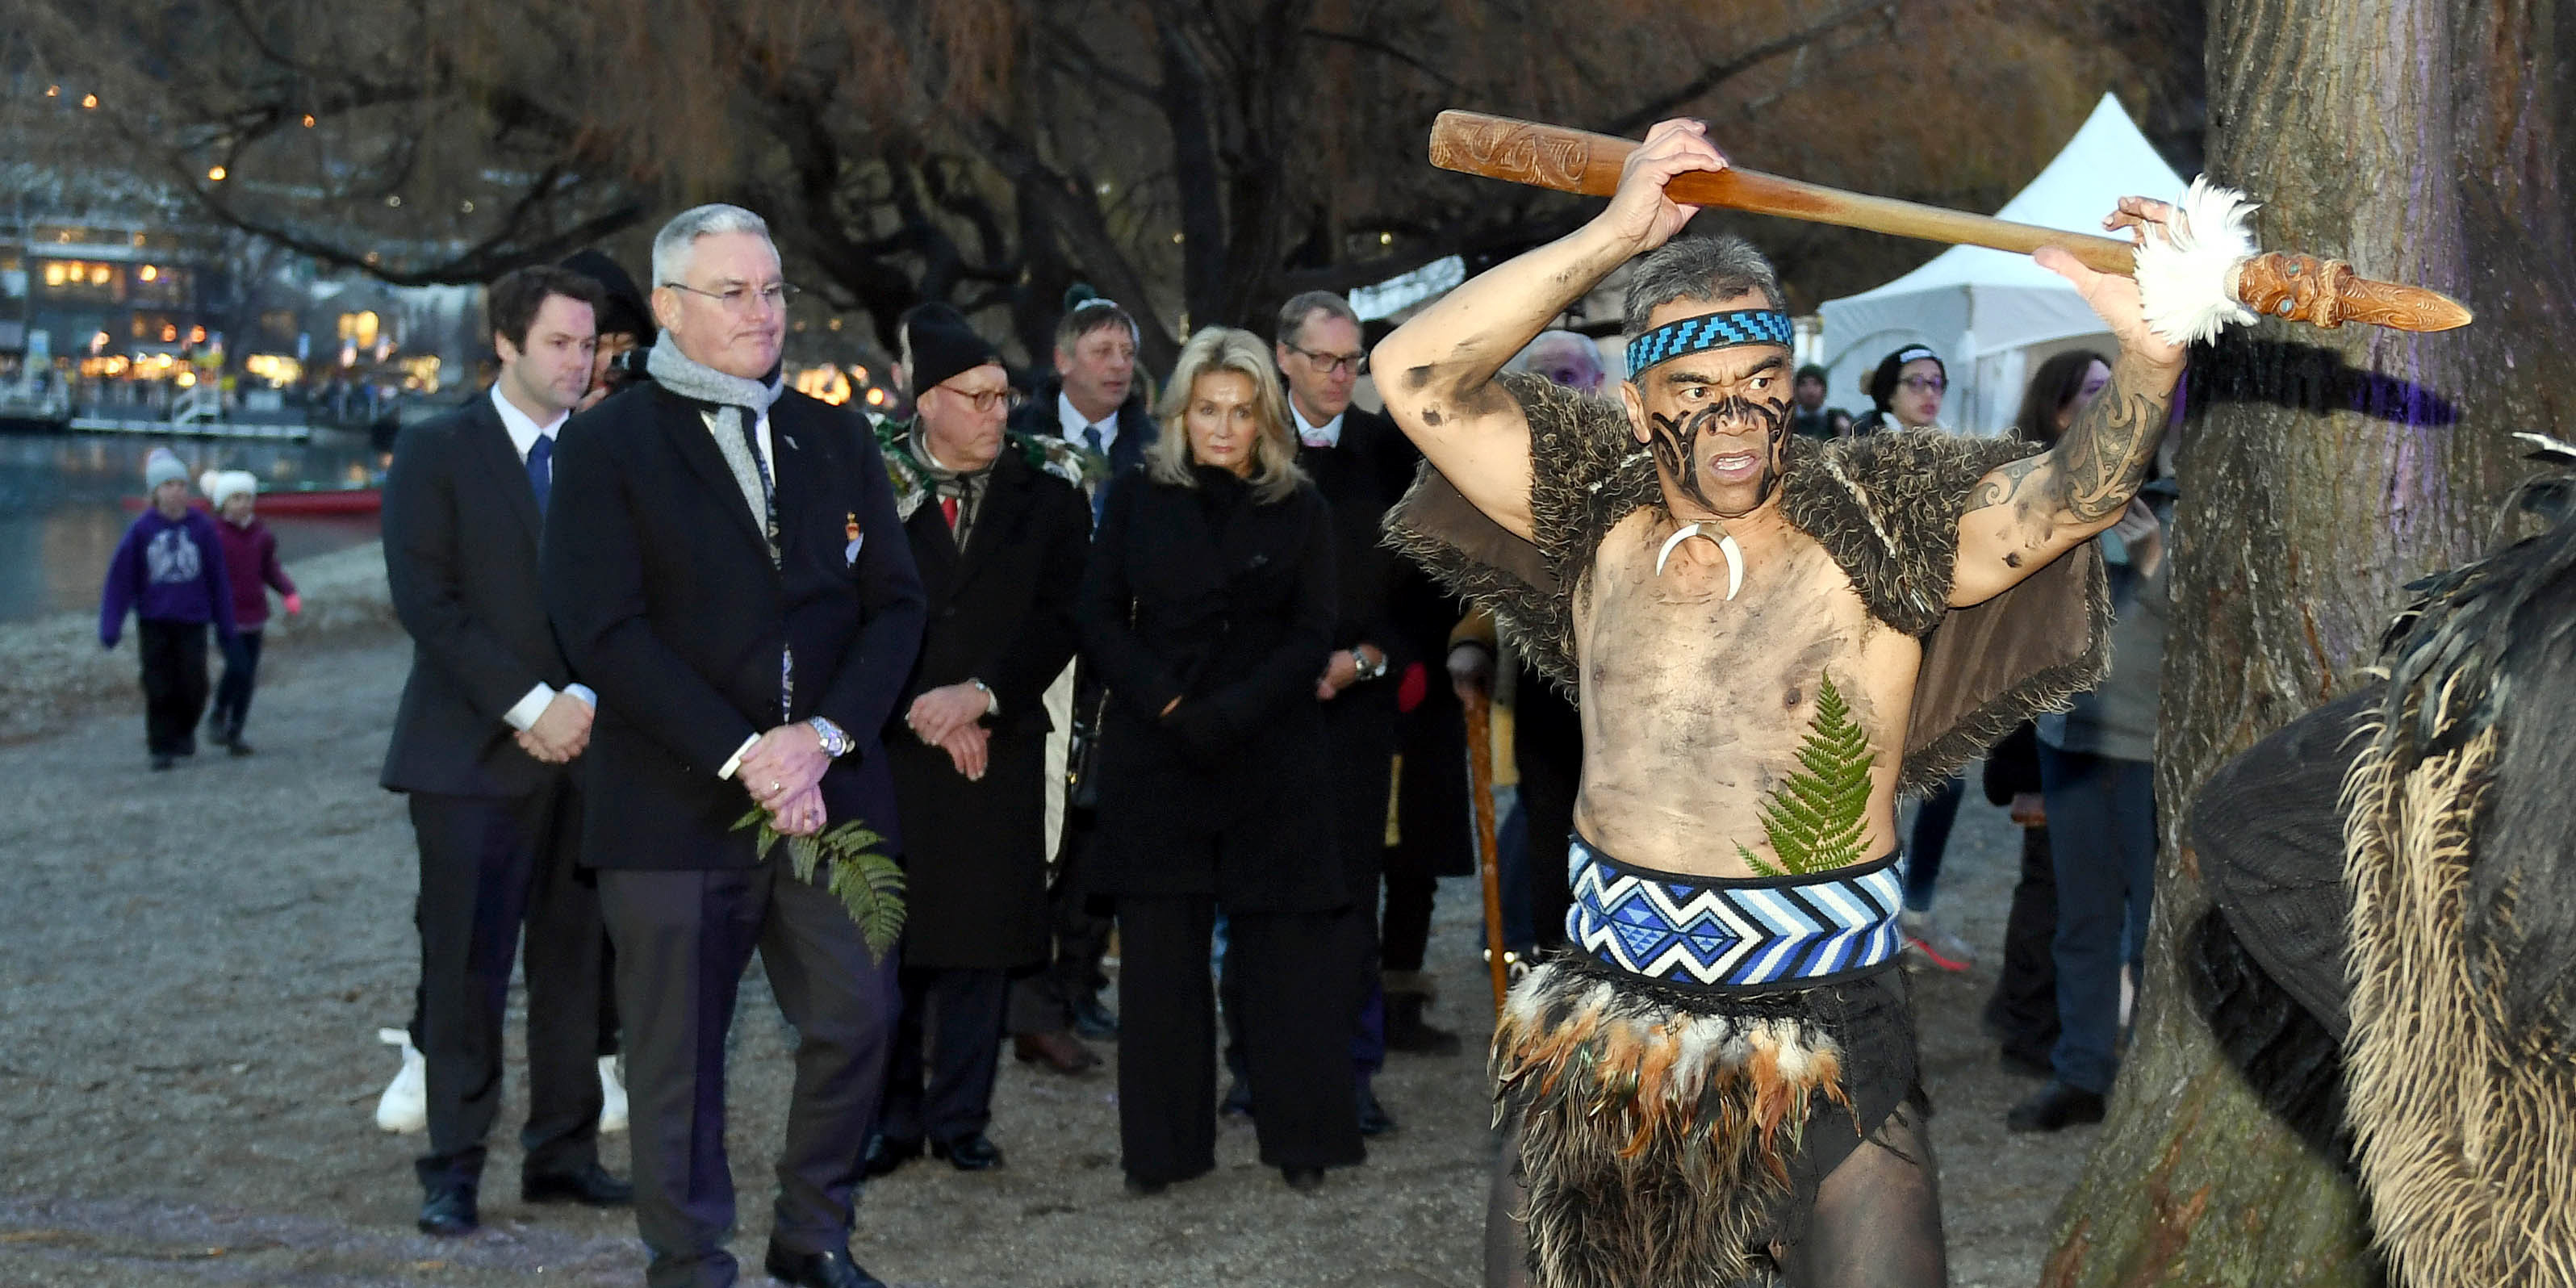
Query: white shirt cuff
[585, 694]
[523, 716]
[735, 761]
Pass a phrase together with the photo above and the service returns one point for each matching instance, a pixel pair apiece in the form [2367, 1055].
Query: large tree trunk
[2427, 141]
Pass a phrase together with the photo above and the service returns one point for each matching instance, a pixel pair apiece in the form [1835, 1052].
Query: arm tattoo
[2104, 455]
[2005, 483]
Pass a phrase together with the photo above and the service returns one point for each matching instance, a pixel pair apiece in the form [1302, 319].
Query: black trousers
[1434, 836]
[1363, 775]
[241, 673]
[949, 1096]
[1296, 1038]
[683, 940]
[488, 869]
[174, 683]
[1043, 1002]
[1547, 749]
[2023, 1011]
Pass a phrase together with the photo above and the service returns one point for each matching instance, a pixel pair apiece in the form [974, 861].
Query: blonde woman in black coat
[1207, 608]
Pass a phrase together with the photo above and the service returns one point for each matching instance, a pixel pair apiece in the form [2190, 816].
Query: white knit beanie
[224, 485]
[163, 466]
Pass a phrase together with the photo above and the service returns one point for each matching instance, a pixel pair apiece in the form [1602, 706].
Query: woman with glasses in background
[1907, 388]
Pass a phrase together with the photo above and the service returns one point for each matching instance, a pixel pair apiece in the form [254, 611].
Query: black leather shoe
[448, 1211]
[884, 1155]
[162, 762]
[976, 1153]
[1093, 1021]
[1374, 1119]
[1304, 1180]
[2054, 1107]
[1238, 1100]
[1140, 1188]
[833, 1269]
[591, 1186]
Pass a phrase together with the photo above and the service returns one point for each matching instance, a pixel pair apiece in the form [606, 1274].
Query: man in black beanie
[999, 527]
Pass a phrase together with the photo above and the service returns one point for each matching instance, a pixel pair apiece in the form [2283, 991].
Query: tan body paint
[1694, 707]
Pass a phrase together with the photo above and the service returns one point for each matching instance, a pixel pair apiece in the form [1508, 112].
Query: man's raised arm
[1436, 372]
[2027, 513]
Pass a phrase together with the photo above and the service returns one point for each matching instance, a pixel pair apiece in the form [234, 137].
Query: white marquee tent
[1991, 315]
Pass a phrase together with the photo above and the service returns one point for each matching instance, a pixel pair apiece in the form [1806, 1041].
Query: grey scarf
[733, 406]
[736, 405]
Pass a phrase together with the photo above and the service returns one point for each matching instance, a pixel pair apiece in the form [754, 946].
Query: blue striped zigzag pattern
[1818, 928]
[1711, 331]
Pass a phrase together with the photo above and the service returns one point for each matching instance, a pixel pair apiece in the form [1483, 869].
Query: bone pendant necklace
[1725, 546]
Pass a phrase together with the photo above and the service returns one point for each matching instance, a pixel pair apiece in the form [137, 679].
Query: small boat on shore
[302, 503]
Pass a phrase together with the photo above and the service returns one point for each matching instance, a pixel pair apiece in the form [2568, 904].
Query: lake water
[62, 511]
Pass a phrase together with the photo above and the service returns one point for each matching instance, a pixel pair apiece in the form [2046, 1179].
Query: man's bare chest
[1675, 634]
[1699, 711]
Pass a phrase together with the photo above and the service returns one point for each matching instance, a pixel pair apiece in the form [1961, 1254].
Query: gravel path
[193, 966]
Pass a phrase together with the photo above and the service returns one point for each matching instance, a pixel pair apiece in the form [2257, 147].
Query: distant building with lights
[74, 290]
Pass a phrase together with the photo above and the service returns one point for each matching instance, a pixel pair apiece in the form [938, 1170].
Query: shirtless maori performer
[1771, 639]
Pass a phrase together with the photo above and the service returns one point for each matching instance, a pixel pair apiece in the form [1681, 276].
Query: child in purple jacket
[250, 564]
[169, 571]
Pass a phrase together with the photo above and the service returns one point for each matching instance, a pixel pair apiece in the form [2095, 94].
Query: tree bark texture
[2427, 141]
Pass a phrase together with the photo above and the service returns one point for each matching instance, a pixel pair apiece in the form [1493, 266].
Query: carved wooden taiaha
[2282, 284]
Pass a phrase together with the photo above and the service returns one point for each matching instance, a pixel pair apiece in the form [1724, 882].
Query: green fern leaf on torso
[1816, 819]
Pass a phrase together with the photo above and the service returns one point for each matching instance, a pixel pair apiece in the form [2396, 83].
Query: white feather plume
[2182, 277]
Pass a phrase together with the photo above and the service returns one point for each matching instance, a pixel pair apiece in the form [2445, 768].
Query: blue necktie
[1100, 493]
[541, 469]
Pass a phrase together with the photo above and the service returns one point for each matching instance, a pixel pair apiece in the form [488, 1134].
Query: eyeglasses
[986, 400]
[1924, 384]
[738, 298]
[1333, 364]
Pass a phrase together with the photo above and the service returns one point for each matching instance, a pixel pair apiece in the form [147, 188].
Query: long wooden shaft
[1480, 784]
[2322, 292]
[1550, 156]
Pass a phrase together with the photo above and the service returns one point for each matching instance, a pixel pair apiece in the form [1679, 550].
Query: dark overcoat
[662, 590]
[1359, 477]
[1205, 595]
[1000, 611]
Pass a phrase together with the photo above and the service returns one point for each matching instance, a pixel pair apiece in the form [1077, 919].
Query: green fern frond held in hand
[1815, 819]
[868, 884]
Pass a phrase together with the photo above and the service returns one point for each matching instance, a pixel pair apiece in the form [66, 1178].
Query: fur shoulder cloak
[1886, 507]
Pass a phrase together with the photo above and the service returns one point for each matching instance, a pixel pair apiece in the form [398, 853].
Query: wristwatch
[992, 700]
[1366, 669]
[836, 744]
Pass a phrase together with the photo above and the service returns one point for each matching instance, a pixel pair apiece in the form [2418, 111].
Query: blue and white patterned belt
[1718, 932]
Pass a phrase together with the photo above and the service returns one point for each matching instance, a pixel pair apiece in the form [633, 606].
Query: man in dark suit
[724, 564]
[1093, 403]
[998, 527]
[489, 719]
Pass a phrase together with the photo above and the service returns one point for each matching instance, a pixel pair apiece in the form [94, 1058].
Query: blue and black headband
[1709, 331]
